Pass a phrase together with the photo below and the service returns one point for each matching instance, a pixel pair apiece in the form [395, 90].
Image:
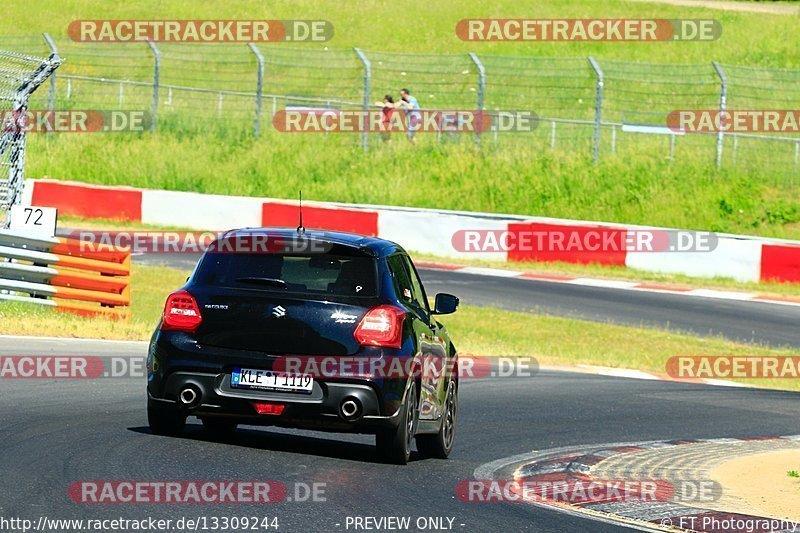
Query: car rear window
[330, 274]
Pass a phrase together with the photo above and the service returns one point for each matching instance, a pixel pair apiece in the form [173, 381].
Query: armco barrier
[429, 231]
[58, 272]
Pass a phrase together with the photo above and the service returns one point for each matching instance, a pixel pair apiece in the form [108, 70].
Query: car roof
[372, 245]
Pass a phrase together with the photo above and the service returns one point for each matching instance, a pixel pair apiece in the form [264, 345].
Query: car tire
[394, 445]
[165, 421]
[440, 444]
[219, 427]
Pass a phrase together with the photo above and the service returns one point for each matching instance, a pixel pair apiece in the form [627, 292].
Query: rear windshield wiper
[265, 281]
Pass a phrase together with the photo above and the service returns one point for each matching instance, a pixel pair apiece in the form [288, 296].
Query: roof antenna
[300, 228]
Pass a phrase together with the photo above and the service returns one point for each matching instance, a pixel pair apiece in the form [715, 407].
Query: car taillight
[181, 312]
[268, 408]
[381, 326]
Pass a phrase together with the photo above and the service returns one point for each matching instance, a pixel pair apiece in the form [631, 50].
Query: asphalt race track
[56, 432]
[766, 323]
[59, 431]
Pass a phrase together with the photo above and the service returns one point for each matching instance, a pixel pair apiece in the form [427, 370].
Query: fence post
[598, 108]
[259, 89]
[14, 141]
[614, 139]
[671, 147]
[481, 89]
[367, 82]
[156, 75]
[723, 102]
[51, 98]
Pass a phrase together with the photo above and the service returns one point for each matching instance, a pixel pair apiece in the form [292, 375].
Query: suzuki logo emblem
[278, 311]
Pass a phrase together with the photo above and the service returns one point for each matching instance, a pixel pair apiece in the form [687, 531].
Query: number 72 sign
[32, 219]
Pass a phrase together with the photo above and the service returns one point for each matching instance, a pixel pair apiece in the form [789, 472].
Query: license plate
[246, 378]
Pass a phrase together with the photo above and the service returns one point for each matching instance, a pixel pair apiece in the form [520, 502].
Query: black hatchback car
[315, 330]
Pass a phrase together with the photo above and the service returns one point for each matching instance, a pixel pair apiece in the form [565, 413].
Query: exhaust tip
[350, 409]
[189, 397]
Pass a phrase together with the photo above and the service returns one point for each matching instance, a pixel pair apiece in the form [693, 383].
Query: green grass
[688, 195]
[429, 26]
[476, 331]
[196, 151]
[150, 287]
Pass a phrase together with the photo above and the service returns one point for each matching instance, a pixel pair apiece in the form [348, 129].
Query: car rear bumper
[175, 363]
[325, 412]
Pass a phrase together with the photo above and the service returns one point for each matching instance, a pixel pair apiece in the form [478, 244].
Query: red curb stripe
[438, 266]
[555, 277]
[628, 449]
[776, 298]
[661, 287]
[551, 477]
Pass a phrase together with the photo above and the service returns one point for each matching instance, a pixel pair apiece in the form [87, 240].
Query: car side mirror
[445, 304]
